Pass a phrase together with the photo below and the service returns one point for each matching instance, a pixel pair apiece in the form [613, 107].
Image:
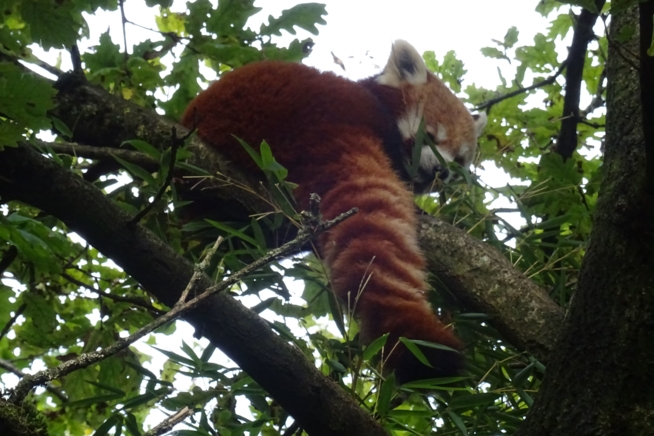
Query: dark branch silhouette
[566, 142]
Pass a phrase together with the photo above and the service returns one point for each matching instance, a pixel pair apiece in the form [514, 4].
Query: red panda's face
[448, 123]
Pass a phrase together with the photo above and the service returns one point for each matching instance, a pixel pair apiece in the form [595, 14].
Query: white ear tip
[405, 65]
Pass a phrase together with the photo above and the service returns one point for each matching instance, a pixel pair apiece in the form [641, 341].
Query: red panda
[347, 142]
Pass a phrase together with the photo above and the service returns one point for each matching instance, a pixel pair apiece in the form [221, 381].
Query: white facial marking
[428, 159]
[441, 135]
[410, 123]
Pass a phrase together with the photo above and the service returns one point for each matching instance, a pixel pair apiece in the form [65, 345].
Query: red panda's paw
[444, 363]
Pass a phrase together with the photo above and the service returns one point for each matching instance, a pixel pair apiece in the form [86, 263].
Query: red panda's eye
[432, 138]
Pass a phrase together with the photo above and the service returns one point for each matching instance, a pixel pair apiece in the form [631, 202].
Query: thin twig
[176, 143]
[124, 20]
[31, 60]
[49, 387]
[12, 320]
[91, 152]
[199, 271]
[167, 424]
[76, 60]
[136, 301]
[488, 104]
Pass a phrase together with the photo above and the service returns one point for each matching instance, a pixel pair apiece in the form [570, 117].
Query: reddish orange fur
[328, 132]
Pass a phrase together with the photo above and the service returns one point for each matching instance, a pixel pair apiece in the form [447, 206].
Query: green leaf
[230, 16]
[52, 24]
[586, 4]
[511, 37]
[436, 383]
[413, 348]
[522, 376]
[144, 147]
[61, 128]
[24, 99]
[111, 422]
[161, 3]
[385, 395]
[233, 232]
[137, 171]
[10, 133]
[131, 425]
[256, 157]
[107, 55]
[336, 365]
[451, 70]
[374, 347]
[190, 352]
[456, 419]
[471, 401]
[560, 26]
[40, 312]
[492, 52]
[304, 16]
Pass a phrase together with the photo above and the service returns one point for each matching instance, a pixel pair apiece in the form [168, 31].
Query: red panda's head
[449, 124]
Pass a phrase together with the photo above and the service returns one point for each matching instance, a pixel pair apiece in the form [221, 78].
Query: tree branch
[487, 282]
[119, 298]
[319, 404]
[566, 142]
[604, 352]
[12, 320]
[646, 10]
[5, 364]
[488, 104]
[167, 424]
[99, 153]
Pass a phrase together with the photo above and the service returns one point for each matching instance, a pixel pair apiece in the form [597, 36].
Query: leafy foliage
[60, 297]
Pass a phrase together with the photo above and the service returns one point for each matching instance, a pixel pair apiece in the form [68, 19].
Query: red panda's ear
[405, 66]
[480, 122]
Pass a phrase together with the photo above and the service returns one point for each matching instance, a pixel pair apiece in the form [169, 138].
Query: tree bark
[599, 378]
[485, 281]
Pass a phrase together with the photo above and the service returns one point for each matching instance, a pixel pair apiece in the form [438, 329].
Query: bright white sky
[360, 33]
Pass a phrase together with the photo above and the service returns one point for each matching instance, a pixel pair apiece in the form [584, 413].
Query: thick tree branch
[604, 353]
[487, 282]
[647, 84]
[320, 405]
[566, 142]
